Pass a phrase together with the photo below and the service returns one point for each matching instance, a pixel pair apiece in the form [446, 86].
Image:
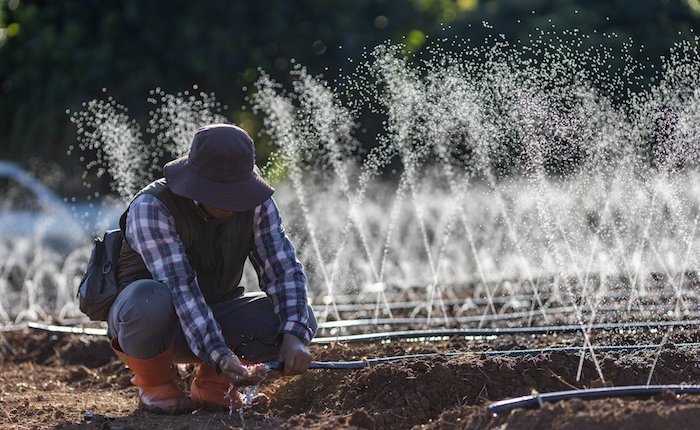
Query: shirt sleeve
[150, 231]
[280, 273]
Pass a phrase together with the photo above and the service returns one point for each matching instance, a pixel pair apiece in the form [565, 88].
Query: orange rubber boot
[155, 378]
[213, 389]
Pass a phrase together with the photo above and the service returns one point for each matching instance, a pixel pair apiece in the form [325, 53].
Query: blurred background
[55, 55]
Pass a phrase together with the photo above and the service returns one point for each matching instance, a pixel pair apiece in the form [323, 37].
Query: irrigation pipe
[361, 364]
[536, 400]
[362, 323]
[68, 329]
[530, 298]
[371, 306]
[275, 365]
[449, 333]
[474, 318]
[417, 334]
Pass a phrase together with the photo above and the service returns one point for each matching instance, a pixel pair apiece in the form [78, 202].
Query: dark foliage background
[56, 54]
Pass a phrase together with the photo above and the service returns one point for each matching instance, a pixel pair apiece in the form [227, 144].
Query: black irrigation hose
[275, 365]
[578, 350]
[536, 400]
[427, 334]
[534, 313]
[447, 333]
[365, 363]
[361, 364]
[371, 306]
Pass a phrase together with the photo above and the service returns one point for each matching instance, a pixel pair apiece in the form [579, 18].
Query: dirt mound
[667, 411]
[401, 395]
[54, 349]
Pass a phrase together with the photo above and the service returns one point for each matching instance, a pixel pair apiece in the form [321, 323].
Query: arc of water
[393, 216]
[352, 219]
[410, 180]
[295, 174]
[533, 146]
[435, 292]
[586, 329]
[34, 272]
[281, 126]
[619, 249]
[448, 116]
[4, 314]
[531, 111]
[679, 222]
[69, 279]
[686, 258]
[600, 294]
[108, 130]
[176, 118]
[594, 247]
[500, 83]
[332, 122]
[7, 260]
[643, 243]
[515, 240]
[403, 95]
[656, 356]
[680, 301]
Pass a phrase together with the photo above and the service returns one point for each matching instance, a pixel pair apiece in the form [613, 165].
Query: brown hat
[219, 170]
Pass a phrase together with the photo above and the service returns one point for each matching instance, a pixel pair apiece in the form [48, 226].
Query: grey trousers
[143, 318]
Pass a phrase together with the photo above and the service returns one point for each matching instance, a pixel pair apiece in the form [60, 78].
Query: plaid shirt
[150, 231]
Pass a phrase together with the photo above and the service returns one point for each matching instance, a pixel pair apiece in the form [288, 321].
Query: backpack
[99, 287]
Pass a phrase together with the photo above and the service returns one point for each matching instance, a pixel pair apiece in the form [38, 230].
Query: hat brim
[239, 196]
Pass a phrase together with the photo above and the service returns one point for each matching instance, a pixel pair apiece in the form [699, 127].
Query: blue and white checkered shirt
[150, 231]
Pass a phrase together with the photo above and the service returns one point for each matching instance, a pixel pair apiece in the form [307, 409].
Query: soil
[75, 382]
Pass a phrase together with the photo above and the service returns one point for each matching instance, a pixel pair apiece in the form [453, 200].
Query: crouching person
[187, 237]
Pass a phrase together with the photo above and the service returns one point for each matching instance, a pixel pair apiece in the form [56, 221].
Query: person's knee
[143, 319]
[149, 304]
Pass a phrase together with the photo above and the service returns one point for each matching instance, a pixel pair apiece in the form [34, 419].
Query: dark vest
[216, 249]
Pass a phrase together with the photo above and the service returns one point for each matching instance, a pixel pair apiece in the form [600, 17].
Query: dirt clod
[360, 418]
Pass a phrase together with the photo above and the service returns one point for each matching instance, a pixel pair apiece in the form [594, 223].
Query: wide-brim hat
[219, 170]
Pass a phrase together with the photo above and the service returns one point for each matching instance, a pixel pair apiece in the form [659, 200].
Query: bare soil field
[65, 381]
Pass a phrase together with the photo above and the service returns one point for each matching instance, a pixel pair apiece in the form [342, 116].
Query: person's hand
[294, 354]
[232, 368]
[240, 374]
